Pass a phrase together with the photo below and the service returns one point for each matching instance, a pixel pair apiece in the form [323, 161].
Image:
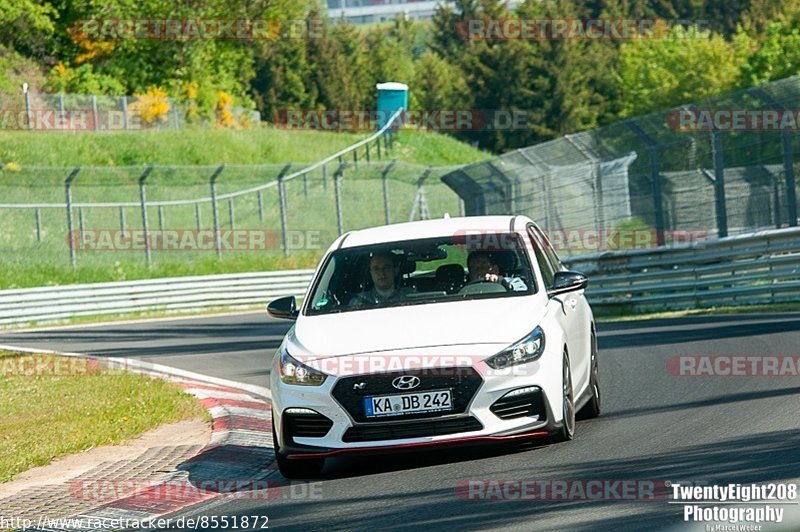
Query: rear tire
[298, 468]
[592, 408]
[567, 430]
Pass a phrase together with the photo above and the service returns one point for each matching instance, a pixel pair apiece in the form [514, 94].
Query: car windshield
[413, 272]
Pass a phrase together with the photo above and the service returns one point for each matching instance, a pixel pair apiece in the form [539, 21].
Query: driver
[483, 268]
[383, 270]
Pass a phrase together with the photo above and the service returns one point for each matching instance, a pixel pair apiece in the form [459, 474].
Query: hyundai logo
[406, 382]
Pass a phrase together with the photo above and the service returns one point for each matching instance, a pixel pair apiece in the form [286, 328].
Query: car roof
[431, 229]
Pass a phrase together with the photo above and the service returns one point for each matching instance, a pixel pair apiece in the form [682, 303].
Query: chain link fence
[706, 170]
[93, 112]
[99, 217]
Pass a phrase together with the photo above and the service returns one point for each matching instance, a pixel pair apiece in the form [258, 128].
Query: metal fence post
[597, 178]
[81, 226]
[282, 207]
[788, 157]
[261, 205]
[217, 236]
[122, 219]
[655, 179]
[385, 180]
[788, 170]
[197, 218]
[231, 216]
[94, 112]
[378, 146]
[161, 217]
[70, 237]
[61, 103]
[325, 177]
[38, 215]
[125, 113]
[367, 145]
[176, 120]
[337, 177]
[719, 183]
[143, 202]
[28, 116]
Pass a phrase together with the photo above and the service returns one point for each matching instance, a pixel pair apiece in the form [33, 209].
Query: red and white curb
[238, 461]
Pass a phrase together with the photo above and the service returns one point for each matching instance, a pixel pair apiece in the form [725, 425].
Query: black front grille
[462, 381]
[305, 425]
[411, 429]
[521, 405]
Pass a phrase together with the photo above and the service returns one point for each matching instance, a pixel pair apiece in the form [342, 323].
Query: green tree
[777, 56]
[686, 65]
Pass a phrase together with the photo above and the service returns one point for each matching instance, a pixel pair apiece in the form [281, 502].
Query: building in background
[365, 11]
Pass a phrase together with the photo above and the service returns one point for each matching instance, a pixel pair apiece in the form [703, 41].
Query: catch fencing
[102, 217]
[724, 166]
[761, 267]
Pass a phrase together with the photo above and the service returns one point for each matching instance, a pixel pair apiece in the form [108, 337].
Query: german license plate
[409, 403]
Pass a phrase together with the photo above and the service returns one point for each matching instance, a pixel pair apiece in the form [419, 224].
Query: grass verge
[52, 406]
[214, 146]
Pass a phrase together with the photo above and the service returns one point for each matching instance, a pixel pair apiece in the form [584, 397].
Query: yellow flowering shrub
[151, 106]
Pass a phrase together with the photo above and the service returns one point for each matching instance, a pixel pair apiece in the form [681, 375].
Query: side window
[549, 251]
[547, 269]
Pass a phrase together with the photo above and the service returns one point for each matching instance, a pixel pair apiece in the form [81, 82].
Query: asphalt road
[655, 427]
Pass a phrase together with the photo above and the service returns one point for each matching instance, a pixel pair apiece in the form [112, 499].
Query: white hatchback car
[450, 331]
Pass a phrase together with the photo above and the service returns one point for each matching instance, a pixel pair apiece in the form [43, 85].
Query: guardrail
[52, 303]
[761, 267]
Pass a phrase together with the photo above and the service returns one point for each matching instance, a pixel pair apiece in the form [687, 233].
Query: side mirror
[284, 308]
[566, 281]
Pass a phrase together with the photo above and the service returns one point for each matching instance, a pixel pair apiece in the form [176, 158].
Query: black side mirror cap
[567, 281]
[283, 308]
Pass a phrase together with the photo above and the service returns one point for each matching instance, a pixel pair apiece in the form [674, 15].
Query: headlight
[295, 372]
[526, 350]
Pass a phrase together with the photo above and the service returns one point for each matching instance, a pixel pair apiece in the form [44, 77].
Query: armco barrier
[171, 294]
[761, 267]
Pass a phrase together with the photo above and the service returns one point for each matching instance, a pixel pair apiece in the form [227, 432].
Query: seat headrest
[449, 273]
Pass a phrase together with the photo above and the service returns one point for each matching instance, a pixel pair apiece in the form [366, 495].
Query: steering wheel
[482, 286]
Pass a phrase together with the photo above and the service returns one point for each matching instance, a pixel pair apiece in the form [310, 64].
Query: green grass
[212, 146]
[113, 162]
[46, 416]
[311, 221]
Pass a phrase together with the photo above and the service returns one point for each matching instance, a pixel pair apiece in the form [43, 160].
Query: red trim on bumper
[325, 454]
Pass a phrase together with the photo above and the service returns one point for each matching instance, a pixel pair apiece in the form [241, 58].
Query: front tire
[592, 408]
[298, 468]
[567, 430]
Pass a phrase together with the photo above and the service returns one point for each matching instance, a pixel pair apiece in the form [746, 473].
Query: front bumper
[473, 420]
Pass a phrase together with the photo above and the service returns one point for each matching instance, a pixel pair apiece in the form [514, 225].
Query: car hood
[479, 321]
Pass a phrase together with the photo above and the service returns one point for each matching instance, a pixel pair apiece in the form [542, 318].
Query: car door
[575, 318]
